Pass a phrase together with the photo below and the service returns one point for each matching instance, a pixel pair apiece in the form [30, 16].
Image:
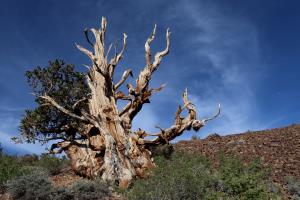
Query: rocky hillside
[278, 149]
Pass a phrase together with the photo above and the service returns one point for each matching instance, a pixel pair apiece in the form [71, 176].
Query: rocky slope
[278, 149]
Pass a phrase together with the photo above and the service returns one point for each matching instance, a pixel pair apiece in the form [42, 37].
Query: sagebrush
[187, 176]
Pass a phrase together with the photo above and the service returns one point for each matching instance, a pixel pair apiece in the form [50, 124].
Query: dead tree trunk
[109, 147]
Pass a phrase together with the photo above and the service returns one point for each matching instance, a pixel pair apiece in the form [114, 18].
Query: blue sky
[243, 54]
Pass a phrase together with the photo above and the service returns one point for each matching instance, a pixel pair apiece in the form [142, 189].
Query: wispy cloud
[228, 51]
[9, 128]
[6, 107]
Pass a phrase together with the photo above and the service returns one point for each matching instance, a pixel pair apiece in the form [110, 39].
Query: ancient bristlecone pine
[110, 148]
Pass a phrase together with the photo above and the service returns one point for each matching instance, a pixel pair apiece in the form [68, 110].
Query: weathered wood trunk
[109, 148]
[110, 151]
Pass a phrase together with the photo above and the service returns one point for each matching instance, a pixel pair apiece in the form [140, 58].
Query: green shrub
[183, 177]
[37, 186]
[61, 194]
[33, 186]
[243, 181]
[293, 187]
[83, 190]
[195, 138]
[52, 164]
[90, 190]
[9, 168]
[163, 150]
[13, 166]
[29, 159]
[187, 176]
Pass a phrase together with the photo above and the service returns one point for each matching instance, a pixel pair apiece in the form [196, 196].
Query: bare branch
[125, 109]
[99, 54]
[103, 29]
[45, 104]
[86, 66]
[86, 34]
[89, 79]
[160, 55]
[78, 102]
[115, 60]
[147, 46]
[145, 75]
[97, 57]
[95, 33]
[158, 89]
[137, 101]
[108, 51]
[89, 117]
[121, 95]
[130, 89]
[86, 52]
[189, 106]
[123, 78]
[59, 146]
[141, 91]
[215, 116]
[120, 55]
[62, 109]
[181, 124]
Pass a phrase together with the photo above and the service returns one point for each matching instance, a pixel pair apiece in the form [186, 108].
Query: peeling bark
[108, 147]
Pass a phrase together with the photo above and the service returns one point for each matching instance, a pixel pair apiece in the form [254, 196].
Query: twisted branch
[141, 92]
[59, 107]
[147, 46]
[98, 58]
[123, 78]
[181, 124]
